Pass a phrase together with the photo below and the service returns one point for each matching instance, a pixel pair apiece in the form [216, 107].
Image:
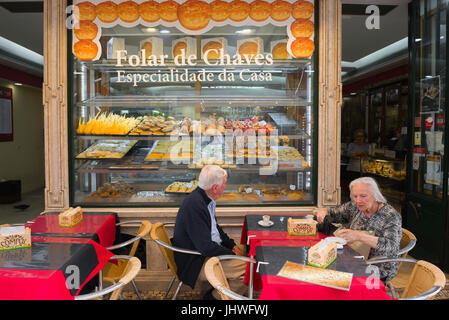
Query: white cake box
[15, 238]
[156, 44]
[214, 43]
[250, 46]
[114, 45]
[190, 46]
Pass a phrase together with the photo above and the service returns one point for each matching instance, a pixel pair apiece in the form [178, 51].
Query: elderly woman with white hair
[368, 210]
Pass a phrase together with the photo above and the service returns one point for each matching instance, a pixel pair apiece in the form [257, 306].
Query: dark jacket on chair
[193, 231]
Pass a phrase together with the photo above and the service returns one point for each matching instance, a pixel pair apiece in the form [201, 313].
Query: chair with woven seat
[113, 272]
[160, 236]
[424, 283]
[132, 267]
[217, 278]
[408, 242]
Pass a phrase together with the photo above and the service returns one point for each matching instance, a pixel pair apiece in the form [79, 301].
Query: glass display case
[391, 176]
[143, 125]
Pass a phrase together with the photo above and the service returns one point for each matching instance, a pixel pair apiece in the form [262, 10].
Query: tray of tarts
[107, 149]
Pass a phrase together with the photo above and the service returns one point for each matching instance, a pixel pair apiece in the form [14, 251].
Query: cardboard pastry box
[15, 238]
[322, 254]
[70, 217]
[301, 227]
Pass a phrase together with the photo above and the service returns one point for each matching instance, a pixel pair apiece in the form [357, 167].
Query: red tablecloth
[47, 269]
[101, 225]
[279, 288]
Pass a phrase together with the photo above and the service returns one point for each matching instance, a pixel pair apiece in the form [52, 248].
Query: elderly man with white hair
[368, 210]
[196, 228]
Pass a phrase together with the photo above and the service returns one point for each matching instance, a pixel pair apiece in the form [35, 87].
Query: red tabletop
[55, 269]
[274, 287]
[93, 226]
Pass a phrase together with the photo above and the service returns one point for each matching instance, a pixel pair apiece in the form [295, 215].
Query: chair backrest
[407, 237]
[215, 275]
[424, 276]
[158, 232]
[131, 270]
[144, 230]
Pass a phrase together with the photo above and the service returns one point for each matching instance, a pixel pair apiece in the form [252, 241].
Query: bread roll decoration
[260, 10]
[85, 50]
[302, 9]
[149, 11]
[302, 48]
[250, 48]
[86, 11]
[107, 11]
[302, 28]
[177, 50]
[215, 47]
[194, 14]
[85, 30]
[239, 10]
[168, 10]
[219, 10]
[128, 11]
[280, 50]
[148, 47]
[281, 10]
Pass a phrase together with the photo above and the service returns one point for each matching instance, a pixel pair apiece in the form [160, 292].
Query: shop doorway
[375, 98]
[22, 161]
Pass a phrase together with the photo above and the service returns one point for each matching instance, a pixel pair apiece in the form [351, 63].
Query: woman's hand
[320, 214]
[350, 235]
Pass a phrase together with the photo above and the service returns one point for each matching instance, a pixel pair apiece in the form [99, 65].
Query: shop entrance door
[427, 204]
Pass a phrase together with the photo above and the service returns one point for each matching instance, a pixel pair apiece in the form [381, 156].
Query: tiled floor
[35, 200]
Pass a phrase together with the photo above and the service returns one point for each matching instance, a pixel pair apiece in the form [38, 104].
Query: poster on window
[433, 175]
[430, 95]
[6, 121]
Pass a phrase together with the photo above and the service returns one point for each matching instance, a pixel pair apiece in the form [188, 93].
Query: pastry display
[230, 197]
[149, 11]
[239, 10]
[85, 50]
[302, 9]
[302, 28]
[86, 11]
[194, 14]
[107, 124]
[319, 276]
[113, 46]
[219, 10]
[293, 195]
[107, 11]
[152, 46]
[260, 10]
[168, 10]
[302, 48]
[385, 169]
[128, 11]
[250, 47]
[182, 187]
[281, 10]
[85, 30]
[165, 150]
[112, 190]
[186, 44]
[213, 47]
[107, 149]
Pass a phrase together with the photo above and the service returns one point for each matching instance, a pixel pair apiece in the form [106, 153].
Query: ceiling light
[245, 31]
[17, 84]
[165, 31]
[150, 30]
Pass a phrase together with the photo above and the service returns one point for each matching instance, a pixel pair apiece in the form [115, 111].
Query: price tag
[292, 187]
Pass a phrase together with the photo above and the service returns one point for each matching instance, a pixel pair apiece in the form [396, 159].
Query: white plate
[337, 240]
[269, 224]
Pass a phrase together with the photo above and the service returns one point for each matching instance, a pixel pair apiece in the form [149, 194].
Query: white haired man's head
[212, 179]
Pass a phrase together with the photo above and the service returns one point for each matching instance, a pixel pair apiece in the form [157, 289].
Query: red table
[100, 227]
[52, 269]
[274, 287]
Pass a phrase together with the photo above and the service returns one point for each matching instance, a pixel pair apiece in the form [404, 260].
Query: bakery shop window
[162, 88]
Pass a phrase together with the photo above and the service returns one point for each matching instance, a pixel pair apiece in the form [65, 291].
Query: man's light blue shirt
[215, 235]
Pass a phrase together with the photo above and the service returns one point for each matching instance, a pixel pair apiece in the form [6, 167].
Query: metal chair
[425, 281]
[160, 236]
[217, 278]
[132, 268]
[113, 272]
